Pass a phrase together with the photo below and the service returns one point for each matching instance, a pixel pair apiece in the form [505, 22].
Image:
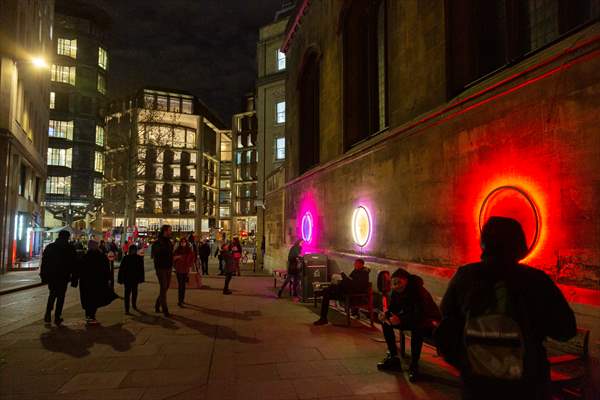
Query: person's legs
[134, 293]
[286, 281]
[157, 303]
[329, 293]
[204, 262]
[228, 276]
[416, 344]
[127, 297]
[180, 288]
[295, 282]
[391, 360]
[165, 281]
[60, 292]
[50, 303]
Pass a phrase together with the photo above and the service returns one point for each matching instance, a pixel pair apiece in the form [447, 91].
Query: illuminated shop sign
[361, 226]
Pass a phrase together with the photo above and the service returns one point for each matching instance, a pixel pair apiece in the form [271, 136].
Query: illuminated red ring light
[533, 208]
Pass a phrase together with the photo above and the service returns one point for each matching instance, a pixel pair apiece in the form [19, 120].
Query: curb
[24, 287]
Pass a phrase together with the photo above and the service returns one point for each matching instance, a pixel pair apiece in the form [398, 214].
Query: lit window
[148, 100]
[141, 187]
[162, 103]
[141, 170]
[186, 106]
[60, 157]
[281, 112]
[248, 156]
[280, 148]
[225, 184]
[193, 158]
[159, 172]
[176, 172]
[160, 156]
[158, 188]
[179, 137]
[192, 189]
[157, 206]
[101, 84]
[58, 185]
[52, 100]
[98, 188]
[175, 205]
[99, 162]
[63, 73]
[60, 129]
[239, 142]
[67, 47]
[141, 153]
[280, 60]
[191, 206]
[238, 157]
[224, 212]
[176, 156]
[99, 135]
[190, 139]
[193, 174]
[175, 104]
[139, 205]
[102, 58]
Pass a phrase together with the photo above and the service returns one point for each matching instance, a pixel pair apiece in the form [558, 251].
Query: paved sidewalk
[17, 280]
[249, 345]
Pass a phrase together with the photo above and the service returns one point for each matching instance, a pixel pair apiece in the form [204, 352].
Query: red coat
[184, 259]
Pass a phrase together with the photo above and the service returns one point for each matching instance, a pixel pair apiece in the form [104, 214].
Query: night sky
[207, 47]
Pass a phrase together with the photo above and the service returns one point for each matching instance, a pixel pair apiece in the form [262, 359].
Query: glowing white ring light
[307, 227]
[361, 226]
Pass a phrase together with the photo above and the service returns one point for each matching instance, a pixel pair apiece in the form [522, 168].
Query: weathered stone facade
[532, 125]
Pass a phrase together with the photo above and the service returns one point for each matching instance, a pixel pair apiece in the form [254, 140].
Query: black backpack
[493, 337]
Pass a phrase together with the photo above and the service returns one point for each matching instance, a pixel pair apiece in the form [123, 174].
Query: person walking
[183, 259]
[94, 282]
[220, 258]
[293, 269]
[162, 254]
[411, 309]
[235, 248]
[204, 253]
[57, 269]
[131, 274]
[499, 295]
[229, 266]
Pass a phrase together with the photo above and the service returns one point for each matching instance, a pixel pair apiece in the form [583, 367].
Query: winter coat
[357, 282]
[204, 251]
[236, 253]
[59, 261]
[230, 264]
[414, 306]
[131, 270]
[184, 259]
[162, 253]
[94, 280]
[542, 310]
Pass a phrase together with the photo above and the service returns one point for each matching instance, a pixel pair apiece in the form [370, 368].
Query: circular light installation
[512, 202]
[307, 225]
[361, 226]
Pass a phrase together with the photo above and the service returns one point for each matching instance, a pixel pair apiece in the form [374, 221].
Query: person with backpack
[235, 248]
[411, 308]
[184, 258]
[57, 269]
[496, 315]
[293, 269]
[131, 274]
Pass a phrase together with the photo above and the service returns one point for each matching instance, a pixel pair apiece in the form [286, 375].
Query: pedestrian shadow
[244, 316]
[77, 342]
[156, 320]
[212, 330]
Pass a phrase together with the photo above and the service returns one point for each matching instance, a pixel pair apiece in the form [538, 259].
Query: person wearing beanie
[499, 287]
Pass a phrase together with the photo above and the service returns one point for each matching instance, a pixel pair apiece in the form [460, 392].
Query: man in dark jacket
[293, 269]
[357, 282]
[162, 254]
[538, 305]
[204, 253]
[57, 269]
[411, 309]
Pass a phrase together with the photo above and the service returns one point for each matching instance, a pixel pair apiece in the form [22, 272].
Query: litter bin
[314, 269]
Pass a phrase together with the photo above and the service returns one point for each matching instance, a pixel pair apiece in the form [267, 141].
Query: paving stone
[94, 381]
[163, 377]
[31, 384]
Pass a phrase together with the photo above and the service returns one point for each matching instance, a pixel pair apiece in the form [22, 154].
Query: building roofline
[76, 8]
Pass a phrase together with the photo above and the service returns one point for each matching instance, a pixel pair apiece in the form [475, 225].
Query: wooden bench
[365, 301]
[569, 364]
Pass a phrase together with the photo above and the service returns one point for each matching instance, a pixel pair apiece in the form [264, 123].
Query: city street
[247, 345]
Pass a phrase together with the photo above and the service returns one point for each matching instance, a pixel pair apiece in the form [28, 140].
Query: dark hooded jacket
[414, 306]
[58, 262]
[162, 253]
[94, 280]
[131, 270]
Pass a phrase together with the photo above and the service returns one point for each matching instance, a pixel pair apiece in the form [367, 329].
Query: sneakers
[91, 321]
[58, 321]
[390, 363]
[321, 321]
[413, 373]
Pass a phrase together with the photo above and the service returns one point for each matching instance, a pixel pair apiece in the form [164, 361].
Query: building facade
[78, 92]
[25, 47]
[270, 112]
[409, 123]
[225, 177]
[162, 163]
[245, 170]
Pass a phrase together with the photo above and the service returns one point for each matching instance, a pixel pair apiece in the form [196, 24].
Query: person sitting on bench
[411, 308]
[357, 282]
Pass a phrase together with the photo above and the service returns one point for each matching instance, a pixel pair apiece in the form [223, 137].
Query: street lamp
[39, 62]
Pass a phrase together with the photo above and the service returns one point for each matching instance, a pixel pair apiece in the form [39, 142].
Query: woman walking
[235, 249]
[131, 273]
[184, 259]
[94, 282]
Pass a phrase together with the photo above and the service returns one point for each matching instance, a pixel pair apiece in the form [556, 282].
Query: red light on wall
[513, 202]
